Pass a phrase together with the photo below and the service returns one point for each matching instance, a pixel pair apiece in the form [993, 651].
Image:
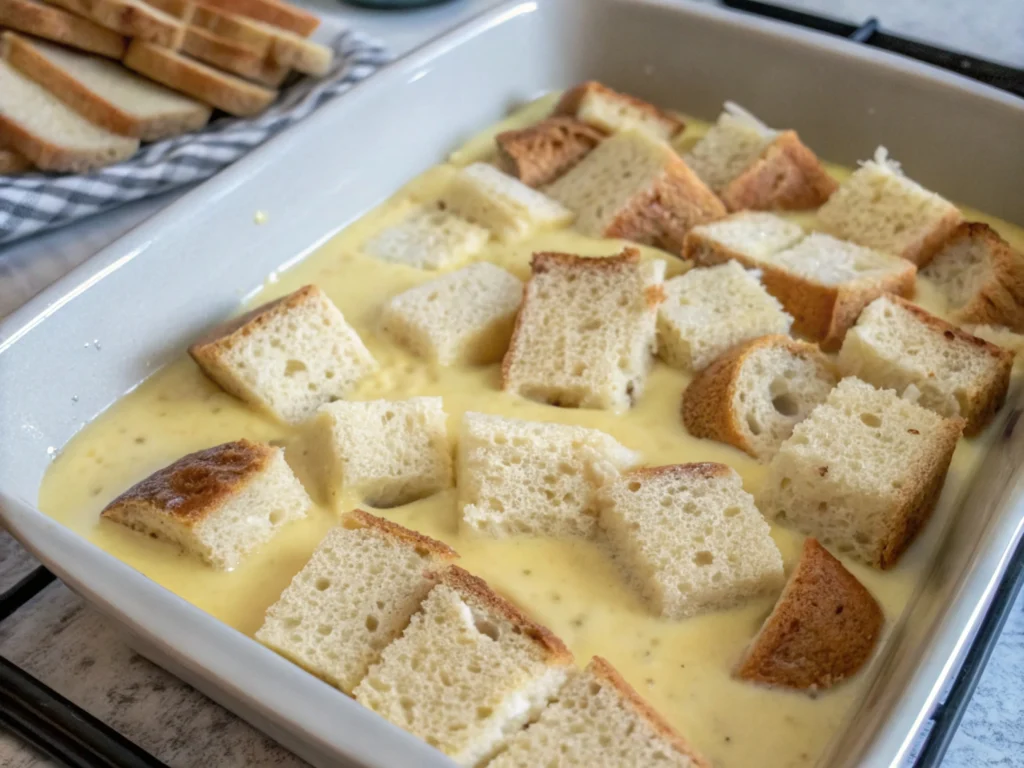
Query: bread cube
[585, 334]
[636, 188]
[897, 345]
[533, 478]
[709, 310]
[754, 394]
[599, 720]
[823, 629]
[219, 504]
[355, 596]
[611, 111]
[468, 672]
[428, 237]
[981, 278]
[539, 154]
[287, 357]
[390, 451]
[747, 237]
[504, 205]
[465, 316]
[689, 538]
[730, 146]
[862, 473]
[879, 207]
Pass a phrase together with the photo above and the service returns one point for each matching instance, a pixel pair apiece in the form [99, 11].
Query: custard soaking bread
[427, 237]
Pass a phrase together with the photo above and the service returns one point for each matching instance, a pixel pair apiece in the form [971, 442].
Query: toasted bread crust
[541, 153]
[271, 12]
[41, 20]
[603, 670]
[131, 20]
[570, 102]
[1000, 299]
[232, 57]
[52, 157]
[227, 334]
[195, 485]
[701, 469]
[786, 177]
[822, 630]
[13, 162]
[425, 545]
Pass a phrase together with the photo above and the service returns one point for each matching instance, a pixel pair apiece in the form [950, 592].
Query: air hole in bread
[322, 584]
[634, 486]
[291, 623]
[329, 374]
[482, 713]
[275, 517]
[325, 629]
[731, 512]
[703, 558]
[371, 623]
[786, 404]
[871, 419]
[485, 627]
[752, 425]
[785, 483]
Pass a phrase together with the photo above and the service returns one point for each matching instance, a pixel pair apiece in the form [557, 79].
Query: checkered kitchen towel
[35, 202]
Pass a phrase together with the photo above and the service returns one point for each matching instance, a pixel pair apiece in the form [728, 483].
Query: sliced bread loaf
[708, 310]
[287, 357]
[220, 504]
[753, 395]
[355, 596]
[611, 111]
[236, 58]
[585, 335]
[273, 12]
[981, 277]
[469, 671]
[532, 478]
[428, 237]
[131, 18]
[879, 207]
[689, 538]
[898, 345]
[822, 630]
[539, 154]
[465, 316]
[599, 719]
[36, 18]
[862, 473]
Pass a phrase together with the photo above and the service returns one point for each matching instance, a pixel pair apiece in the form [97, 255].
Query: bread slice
[708, 310]
[981, 277]
[465, 316]
[428, 237]
[862, 473]
[37, 125]
[599, 719]
[822, 630]
[232, 57]
[131, 18]
[585, 335]
[731, 146]
[12, 161]
[271, 12]
[533, 478]
[689, 538]
[637, 188]
[293, 51]
[753, 395]
[539, 154]
[510, 209]
[821, 281]
[898, 345]
[287, 357]
[36, 18]
[104, 92]
[879, 207]
[219, 504]
[355, 596]
[390, 451]
[611, 111]
[468, 672]
[211, 86]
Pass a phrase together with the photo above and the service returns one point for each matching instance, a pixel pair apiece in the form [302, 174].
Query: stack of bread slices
[84, 82]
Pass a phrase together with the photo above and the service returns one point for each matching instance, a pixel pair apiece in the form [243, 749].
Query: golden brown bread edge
[540, 153]
[1000, 299]
[424, 545]
[41, 20]
[569, 104]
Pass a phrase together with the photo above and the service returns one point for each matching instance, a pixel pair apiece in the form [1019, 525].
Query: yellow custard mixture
[681, 667]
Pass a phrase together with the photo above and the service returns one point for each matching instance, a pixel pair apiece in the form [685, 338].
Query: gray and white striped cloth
[31, 203]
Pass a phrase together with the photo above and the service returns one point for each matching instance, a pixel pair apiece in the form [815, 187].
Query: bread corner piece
[879, 207]
[533, 478]
[753, 395]
[599, 719]
[468, 672]
[896, 344]
[980, 276]
[611, 111]
[392, 452]
[822, 630]
[871, 503]
[689, 538]
[354, 596]
[287, 357]
[585, 335]
[539, 154]
[219, 504]
[635, 187]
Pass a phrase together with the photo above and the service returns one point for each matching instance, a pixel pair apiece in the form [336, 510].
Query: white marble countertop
[71, 648]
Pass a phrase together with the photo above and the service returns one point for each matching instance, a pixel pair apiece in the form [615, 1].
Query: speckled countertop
[70, 647]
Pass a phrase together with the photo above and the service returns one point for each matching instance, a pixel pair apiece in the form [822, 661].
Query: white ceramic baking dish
[155, 289]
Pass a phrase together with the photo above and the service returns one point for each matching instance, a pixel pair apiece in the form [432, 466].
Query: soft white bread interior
[356, 594]
[729, 147]
[689, 538]
[34, 17]
[611, 111]
[287, 357]
[131, 18]
[748, 236]
[427, 237]
[219, 504]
